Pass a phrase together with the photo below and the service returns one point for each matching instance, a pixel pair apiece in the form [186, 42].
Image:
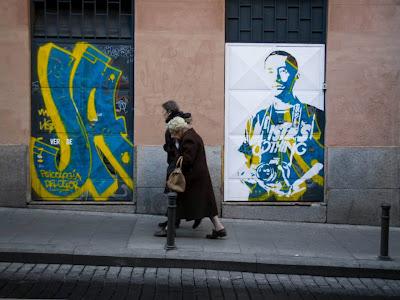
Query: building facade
[284, 93]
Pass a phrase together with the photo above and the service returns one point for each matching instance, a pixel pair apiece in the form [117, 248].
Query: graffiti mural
[278, 139]
[82, 132]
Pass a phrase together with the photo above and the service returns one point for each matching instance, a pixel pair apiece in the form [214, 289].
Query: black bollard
[171, 221]
[385, 218]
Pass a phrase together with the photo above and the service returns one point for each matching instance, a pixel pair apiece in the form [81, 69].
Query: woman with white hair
[198, 199]
[170, 111]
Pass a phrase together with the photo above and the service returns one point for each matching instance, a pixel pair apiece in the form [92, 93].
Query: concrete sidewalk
[59, 236]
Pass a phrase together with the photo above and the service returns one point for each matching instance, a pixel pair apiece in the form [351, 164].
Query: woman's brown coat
[198, 200]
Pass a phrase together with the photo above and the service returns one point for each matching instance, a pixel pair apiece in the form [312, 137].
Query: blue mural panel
[82, 122]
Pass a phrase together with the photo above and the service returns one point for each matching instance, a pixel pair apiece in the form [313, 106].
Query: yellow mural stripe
[250, 130]
[287, 116]
[304, 166]
[318, 134]
[78, 53]
[106, 194]
[294, 196]
[101, 144]
[290, 63]
[42, 68]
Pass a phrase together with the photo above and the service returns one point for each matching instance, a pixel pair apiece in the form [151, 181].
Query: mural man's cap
[289, 58]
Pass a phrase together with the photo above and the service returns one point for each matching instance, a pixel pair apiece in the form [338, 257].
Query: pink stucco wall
[15, 72]
[179, 48]
[180, 55]
[363, 73]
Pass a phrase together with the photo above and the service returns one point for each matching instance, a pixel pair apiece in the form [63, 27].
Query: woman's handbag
[176, 181]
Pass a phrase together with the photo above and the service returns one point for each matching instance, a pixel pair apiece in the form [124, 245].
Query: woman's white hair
[177, 124]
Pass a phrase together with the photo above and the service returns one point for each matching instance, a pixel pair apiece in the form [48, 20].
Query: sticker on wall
[82, 135]
[274, 122]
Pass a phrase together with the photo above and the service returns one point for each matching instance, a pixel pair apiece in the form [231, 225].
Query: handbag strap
[179, 162]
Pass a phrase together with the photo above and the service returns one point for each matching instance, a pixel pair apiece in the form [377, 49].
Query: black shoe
[196, 223]
[161, 233]
[216, 234]
[163, 224]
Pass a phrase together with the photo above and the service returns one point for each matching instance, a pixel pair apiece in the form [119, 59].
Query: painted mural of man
[283, 144]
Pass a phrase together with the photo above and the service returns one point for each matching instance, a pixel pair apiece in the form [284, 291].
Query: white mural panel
[274, 122]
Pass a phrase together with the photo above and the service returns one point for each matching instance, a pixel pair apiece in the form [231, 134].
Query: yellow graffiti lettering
[46, 125]
[43, 112]
[61, 184]
[61, 175]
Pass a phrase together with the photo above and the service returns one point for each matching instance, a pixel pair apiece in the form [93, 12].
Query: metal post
[385, 218]
[171, 221]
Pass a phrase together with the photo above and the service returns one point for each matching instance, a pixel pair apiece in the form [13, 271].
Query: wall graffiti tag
[81, 145]
[279, 137]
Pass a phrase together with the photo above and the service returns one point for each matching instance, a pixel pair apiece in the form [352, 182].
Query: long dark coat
[198, 200]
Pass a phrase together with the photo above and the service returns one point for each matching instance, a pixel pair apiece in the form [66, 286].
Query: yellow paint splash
[91, 108]
[126, 158]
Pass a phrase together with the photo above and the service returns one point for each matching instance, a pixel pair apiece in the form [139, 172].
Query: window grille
[83, 19]
[276, 21]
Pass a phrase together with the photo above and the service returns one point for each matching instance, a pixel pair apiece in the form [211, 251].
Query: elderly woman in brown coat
[198, 200]
[170, 111]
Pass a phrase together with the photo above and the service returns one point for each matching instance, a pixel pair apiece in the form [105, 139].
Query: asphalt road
[54, 281]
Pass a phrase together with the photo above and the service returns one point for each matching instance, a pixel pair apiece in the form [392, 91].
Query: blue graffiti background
[98, 77]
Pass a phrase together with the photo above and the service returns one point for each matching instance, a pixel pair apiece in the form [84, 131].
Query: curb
[366, 270]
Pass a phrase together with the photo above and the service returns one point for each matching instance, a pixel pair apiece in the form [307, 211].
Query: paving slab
[113, 239]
